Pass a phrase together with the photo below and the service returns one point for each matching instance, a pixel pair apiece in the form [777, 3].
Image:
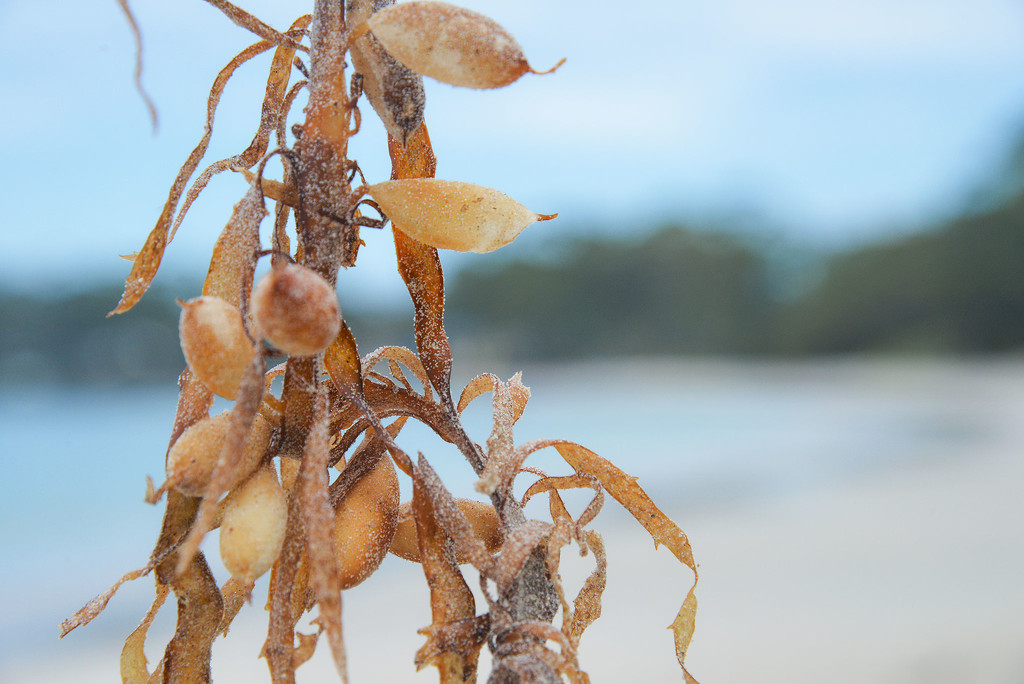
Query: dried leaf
[451, 44]
[452, 520]
[318, 526]
[627, 492]
[342, 362]
[89, 611]
[133, 656]
[451, 600]
[587, 606]
[499, 472]
[147, 260]
[273, 111]
[251, 23]
[406, 357]
[200, 608]
[286, 590]
[488, 382]
[235, 592]
[452, 214]
[234, 256]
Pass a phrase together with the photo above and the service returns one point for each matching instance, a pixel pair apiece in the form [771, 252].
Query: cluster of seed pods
[261, 472]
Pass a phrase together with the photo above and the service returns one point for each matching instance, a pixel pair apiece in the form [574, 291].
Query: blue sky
[836, 121]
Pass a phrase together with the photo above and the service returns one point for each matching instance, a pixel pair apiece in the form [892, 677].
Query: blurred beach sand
[905, 572]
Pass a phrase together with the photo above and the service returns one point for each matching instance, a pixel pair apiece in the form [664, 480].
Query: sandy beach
[906, 571]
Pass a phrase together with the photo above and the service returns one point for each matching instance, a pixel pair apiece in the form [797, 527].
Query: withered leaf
[317, 519]
[147, 260]
[133, 656]
[234, 256]
[488, 382]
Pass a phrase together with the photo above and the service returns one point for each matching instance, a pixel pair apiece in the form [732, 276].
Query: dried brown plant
[318, 537]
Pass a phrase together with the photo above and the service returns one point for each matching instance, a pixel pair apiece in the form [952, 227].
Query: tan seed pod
[452, 214]
[253, 526]
[481, 516]
[296, 310]
[192, 459]
[365, 522]
[215, 343]
[449, 43]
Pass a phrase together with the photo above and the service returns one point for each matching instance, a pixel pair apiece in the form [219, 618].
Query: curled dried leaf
[488, 382]
[452, 214]
[324, 578]
[449, 43]
[94, 607]
[147, 260]
[133, 656]
[236, 592]
[451, 600]
[627, 492]
[234, 256]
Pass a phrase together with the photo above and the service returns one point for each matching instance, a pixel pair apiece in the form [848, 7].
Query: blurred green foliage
[675, 292]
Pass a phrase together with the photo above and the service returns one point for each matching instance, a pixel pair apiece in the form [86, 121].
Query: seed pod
[394, 90]
[365, 522]
[451, 44]
[296, 310]
[215, 343]
[192, 459]
[452, 214]
[481, 516]
[253, 525]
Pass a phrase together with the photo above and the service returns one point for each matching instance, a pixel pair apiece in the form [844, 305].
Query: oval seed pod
[452, 214]
[481, 516]
[296, 310]
[253, 526]
[215, 343]
[449, 43]
[192, 459]
[365, 522]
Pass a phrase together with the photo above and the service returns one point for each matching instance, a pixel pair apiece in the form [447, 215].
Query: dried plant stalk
[331, 409]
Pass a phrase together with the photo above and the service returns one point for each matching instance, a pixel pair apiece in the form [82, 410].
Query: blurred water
[702, 437]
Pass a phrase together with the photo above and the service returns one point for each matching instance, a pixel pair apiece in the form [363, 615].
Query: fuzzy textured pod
[482, 517]
[365, 523]
[296, 310]
[451, 44]
[253, 526]
[193, 458]
[452, 214]
[215, 343]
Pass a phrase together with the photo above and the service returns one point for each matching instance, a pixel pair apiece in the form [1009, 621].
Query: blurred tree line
[957, 288]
